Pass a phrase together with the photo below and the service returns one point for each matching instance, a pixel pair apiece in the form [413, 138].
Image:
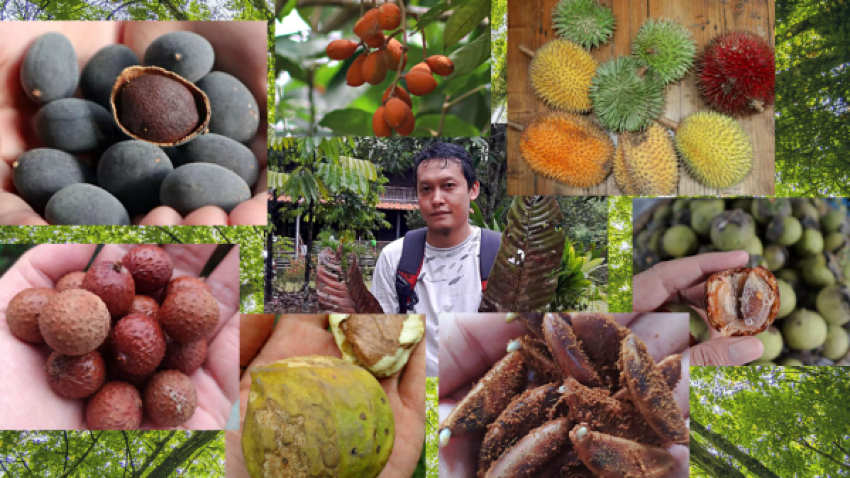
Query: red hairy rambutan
[736, 74]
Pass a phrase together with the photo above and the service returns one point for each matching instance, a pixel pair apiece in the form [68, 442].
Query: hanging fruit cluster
[382, 53]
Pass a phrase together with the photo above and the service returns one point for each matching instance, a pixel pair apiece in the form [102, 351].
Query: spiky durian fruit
[651, 161]
[736, 74]
[621, 173]
[569, 148]
[584, 22]
[666, 46]
[560, 75]
[715, 149]
[625, 95]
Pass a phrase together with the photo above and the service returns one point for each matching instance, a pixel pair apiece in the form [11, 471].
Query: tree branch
[82, 458]
[109, 17]
[176, 239]
[129, 455]
[155, 453]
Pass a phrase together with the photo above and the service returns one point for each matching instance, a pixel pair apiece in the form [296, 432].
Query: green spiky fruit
[667, 47]
[626, 97]
[715, 149]
[584, 22]
[560, 74]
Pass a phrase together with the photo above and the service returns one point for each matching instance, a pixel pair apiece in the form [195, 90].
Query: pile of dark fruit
[171, 132]
[128, 353]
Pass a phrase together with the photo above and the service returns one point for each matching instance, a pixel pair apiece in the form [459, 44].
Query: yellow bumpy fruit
[651, 161]
[715, 149]
[560, 75]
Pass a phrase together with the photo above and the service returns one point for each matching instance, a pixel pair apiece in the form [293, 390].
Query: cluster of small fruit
[395, 112]
[804, 242]
[110, 344]
[201, 118]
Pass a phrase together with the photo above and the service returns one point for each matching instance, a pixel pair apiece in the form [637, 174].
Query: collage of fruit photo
[441, 238]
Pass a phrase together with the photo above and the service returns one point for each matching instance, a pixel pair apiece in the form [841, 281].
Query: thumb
[727, 351]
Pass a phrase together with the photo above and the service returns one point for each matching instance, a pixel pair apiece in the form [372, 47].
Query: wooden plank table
[530, 24]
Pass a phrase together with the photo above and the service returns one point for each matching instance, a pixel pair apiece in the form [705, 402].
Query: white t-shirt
[449, 282]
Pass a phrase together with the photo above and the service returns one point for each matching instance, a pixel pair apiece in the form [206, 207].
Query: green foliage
[623, 99]
[584, 22]
[577, 287]
[432, 419]
[620, 256]
[499, 36]
[497, 223]
[666, 46]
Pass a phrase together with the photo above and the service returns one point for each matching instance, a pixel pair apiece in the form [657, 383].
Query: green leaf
[427, 124]
[433, 14]
[349, 121]
[288, 5]
[465, 17]
[298, 51]
[468, 57]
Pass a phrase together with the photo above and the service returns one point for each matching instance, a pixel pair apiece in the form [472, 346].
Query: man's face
[444, 195]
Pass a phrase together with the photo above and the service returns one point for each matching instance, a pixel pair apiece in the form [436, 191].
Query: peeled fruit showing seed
[74, 125]
[382, 344]
[189, 315]
[400, 93]
[804, 330]
[138, 344]
[71, 280]
[184, 357]
[113, 283]
[186, 282]
[50, 70]
[376, 41]
[235, 112]
[84, 204]
[395, 112]
[394, 50]
[389, 16]
[103, 68]
[368, 25]
[406, 128]
[150, 267]
[771, 340]
[379, 124]
[170, 398]
[193, 186]
[74, 322]
[116, 406]
[39, 173]
[345, 427]
[157, 108]
[144, 305]
[440, 65]
[742, 301]
[340, 49]
[420, 83]
[23, 312]
[375, 67]
[133, 172]
[188, 54]
[354, 76]
[75, 377]
[217, 149]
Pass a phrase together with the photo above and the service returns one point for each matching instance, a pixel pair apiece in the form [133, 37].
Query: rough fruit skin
[71, 280]
[75, 377]
[375, 67]
[622, 176]
[715, 149]
[440, 65]
[170, 398]
[651, 161]
[150, 267]
[74, 322]
[804, 330]
[389, 16]
[420, 83]
[568, 148]
[335, 398]
[368, 25]
[736, 74]
[379, 124]
[354, 76]
[50, 70]
[186, 282]
[24, 311]
[400, 93]
[84, 204]
[376, 41]
[666, 46]
[184, 357]
[217, 149]
[40, 173]
[407, 127]
[133, 171]
[117, 406]
[144, 305]
[189, 315]
[234, 109]
[394, 49]
[138, 344]
[158, 109]
[395, 112]
[625, 97]
[188, 54]
[584, 22]
[560, 73]
[103, 68]
[113, 283]
[340, 49]
[193, 186]
[75, 126]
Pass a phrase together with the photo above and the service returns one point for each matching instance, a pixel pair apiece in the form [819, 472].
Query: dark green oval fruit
[116, 406]
[771, 339]
[223, 151]
[235, 113]
[787, 299]
[785, 231]
[74, 322]
[185, 53]
[833, 303]
[113, 283]
[804, 330]
[75, 377]
[138, 344]
[680, 241]
[170, 398]
[23, 312]
[837, 342]
[49, 70]
[150, 266]
[189, 315]
[133, 171]
[157, 108]
[84, 204]
[75, 126]
[732, 230]
[39, 173]
[193, 186]
[101, 71]
[810, 243]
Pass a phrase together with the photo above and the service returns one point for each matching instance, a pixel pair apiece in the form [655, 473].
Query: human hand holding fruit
[33, 403]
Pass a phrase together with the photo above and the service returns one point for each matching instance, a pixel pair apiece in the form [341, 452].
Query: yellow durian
[560, 74]
[651, 161]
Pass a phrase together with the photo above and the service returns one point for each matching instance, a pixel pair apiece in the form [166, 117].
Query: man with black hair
[442, 268]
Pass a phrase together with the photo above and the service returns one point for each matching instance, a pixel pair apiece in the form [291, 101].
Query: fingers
[162, 216]
[15, 212]
[665, 281]
[250, 213]
[224, 281]
[412, 386]
[663, 333]
[206, 216]
[727, 351]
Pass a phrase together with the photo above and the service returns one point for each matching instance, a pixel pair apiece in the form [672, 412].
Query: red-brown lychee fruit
[189, 315]
[150, 266]
[138, 344]
[116, 406]
[75, 377]
[144, 305]
[113, 283]
[736, 74]
[71, 280]
[23, 312]
[185, 282]
[184, 357]
[170, 398]
[74, 322]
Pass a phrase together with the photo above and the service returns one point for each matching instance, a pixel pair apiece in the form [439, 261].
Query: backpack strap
[412, 257]
[490, 241]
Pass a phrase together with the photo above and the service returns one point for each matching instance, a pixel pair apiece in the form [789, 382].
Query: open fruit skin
[752, 282]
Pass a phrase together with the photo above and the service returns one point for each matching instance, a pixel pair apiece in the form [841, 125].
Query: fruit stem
[117, 265]
[758, 106]
[668, 123]
[527, 51]
[642, 71]
[404, 48]
[516, 125]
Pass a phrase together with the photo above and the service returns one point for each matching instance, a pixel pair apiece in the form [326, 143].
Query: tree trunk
[183, 453]
[711, 464]
[274, 214]
[309, 242]
[720, 443]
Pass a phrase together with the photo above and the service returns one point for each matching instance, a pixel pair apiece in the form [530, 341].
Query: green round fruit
[833, 303]
[785, 231]
[743, 204]
[771, 339]
[776, 256]
[810, 243]
[791, 276]
[832, 221]
[681, 204]
[715, 205]
[654, 243]
[787, 299]
[701, 218]
[754, 247]
[837, 342]
[790, 362]
[680, 241]
[817, 275]
[834, 241]
[316, 417]
[732, 230]
[765, 209]
[804, 330]
[805, 210]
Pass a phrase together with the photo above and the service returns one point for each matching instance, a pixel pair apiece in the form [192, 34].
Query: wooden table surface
[530, 24]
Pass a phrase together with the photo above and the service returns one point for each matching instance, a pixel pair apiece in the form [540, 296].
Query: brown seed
[138, 344]
[71, 280]
[117, 406]
[23, 312]
[74, 322]
[170, 398]
[75, 377]
[158, 109]
[144, 305]
[189, 315]
[113, 283]
[742, 301]
[184, 357]
[150, 267]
